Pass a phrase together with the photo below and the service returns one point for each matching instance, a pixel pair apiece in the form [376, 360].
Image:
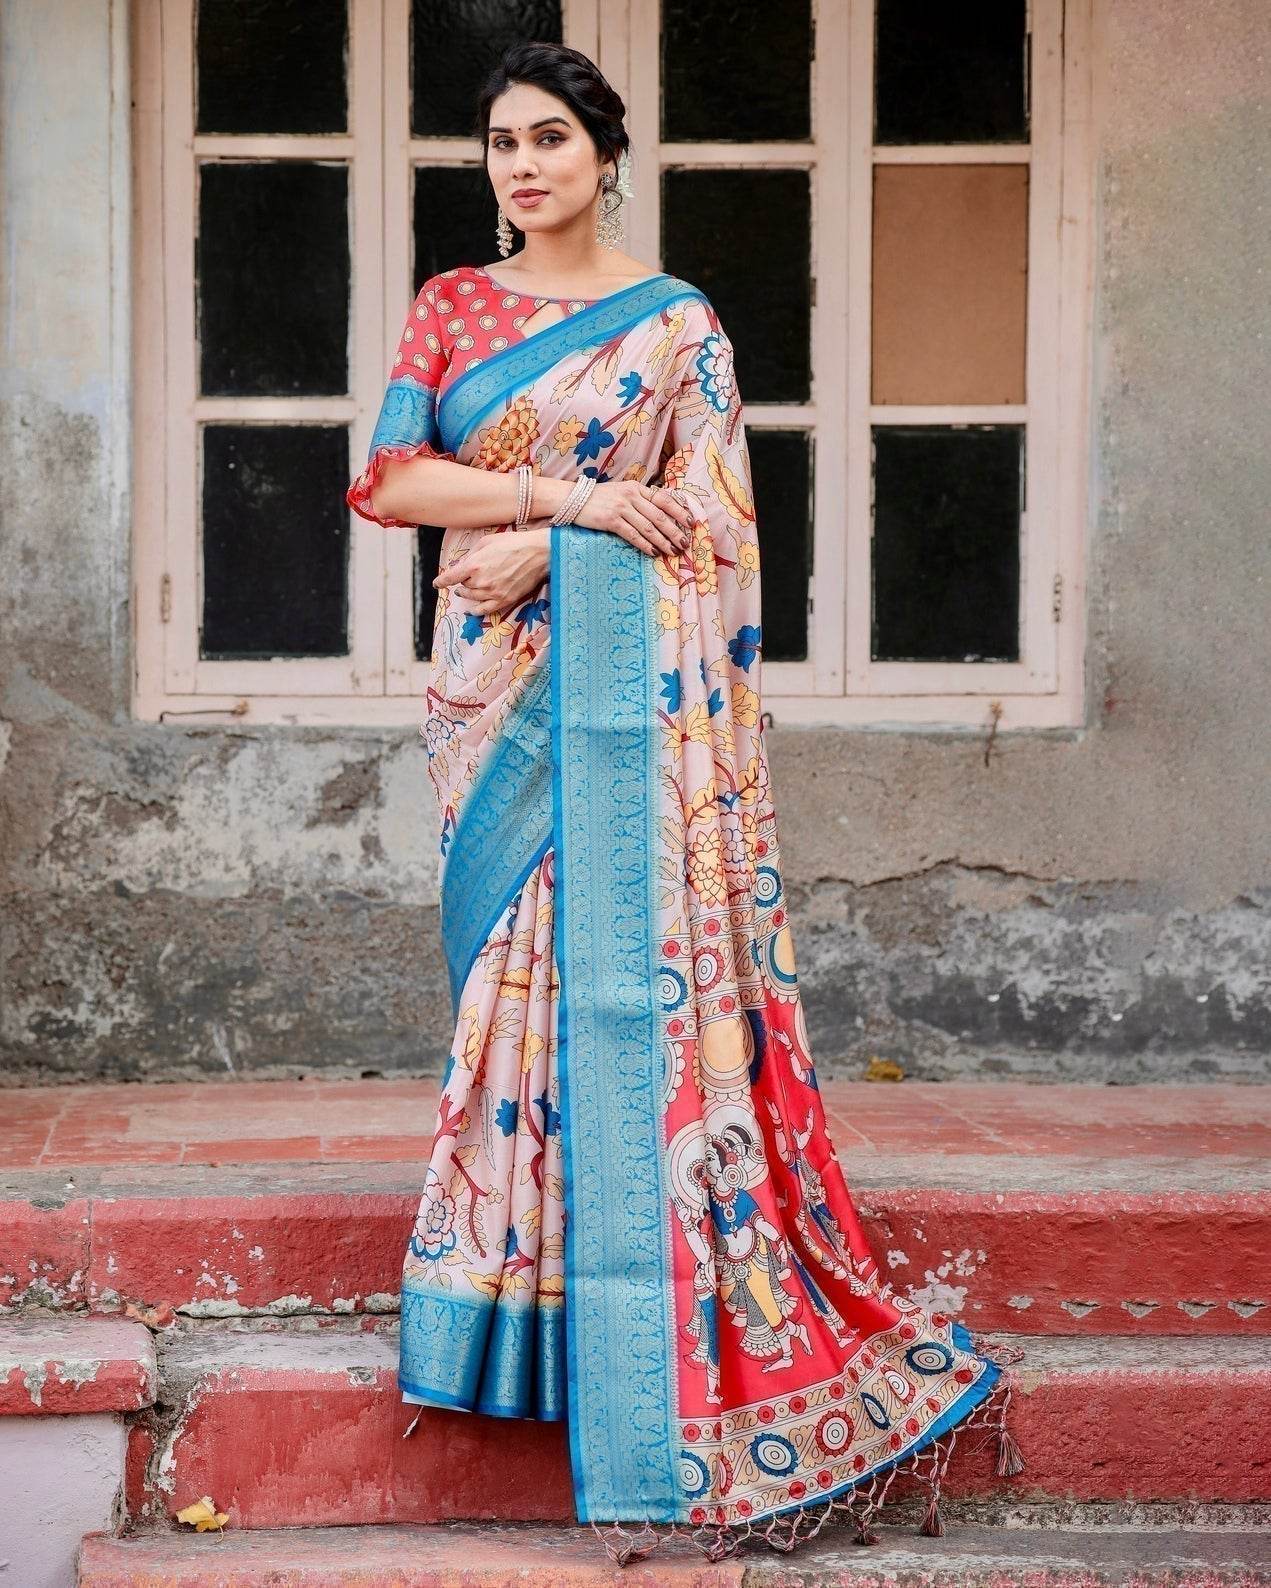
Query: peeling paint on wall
[1094, 904]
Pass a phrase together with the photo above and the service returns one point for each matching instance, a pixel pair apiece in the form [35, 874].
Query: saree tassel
[1009, 1460]
[622, 1546]
[411, 1429]
[865, 1534]
[991, 1414]
[933, 1522]
[777, 1536]
[720, 1541]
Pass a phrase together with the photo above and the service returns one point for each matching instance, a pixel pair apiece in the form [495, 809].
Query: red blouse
[458, 319]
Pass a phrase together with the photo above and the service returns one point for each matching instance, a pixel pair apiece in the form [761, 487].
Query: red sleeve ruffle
[358, 495]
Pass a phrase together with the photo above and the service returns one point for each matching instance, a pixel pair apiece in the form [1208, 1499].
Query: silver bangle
[574, 502]
[524, 493]
[561, 515]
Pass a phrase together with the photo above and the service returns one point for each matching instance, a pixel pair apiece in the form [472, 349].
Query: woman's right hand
[652, 518]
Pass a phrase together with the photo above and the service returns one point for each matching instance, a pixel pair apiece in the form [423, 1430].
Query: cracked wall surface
[1097, 902]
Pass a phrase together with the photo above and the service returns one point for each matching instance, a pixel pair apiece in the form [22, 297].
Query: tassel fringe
[933, 1522]
[1009, 1461]
[783, 1533]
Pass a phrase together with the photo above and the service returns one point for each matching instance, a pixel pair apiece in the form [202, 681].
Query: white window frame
[381, 682]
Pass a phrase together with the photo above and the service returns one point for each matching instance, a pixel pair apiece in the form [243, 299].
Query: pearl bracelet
[575, 501]
[524, 493]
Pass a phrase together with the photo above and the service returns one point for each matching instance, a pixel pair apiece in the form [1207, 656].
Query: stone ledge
[491, 1556]
[64, 1363]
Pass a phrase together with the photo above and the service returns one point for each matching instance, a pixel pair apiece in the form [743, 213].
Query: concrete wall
[1091, 903]
[62, 1479]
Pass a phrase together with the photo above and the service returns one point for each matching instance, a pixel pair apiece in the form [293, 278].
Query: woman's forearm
[424, 490]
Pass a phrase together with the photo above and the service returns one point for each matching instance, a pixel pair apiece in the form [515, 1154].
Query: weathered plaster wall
[1095, 902]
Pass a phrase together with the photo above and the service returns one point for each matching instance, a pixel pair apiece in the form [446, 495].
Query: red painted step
[294, 1426]
[536, 1557]
[58, 1364]
[1077, 1210]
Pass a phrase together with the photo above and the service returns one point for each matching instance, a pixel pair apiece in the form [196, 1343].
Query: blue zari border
[408, 415]
[504, 829]
[618, 1279]
[500, 1358]
[478, 390]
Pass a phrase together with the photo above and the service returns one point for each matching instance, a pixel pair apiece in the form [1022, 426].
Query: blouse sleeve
[407, 425]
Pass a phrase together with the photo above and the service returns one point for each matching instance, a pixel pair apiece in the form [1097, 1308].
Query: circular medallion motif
[779, 963]
[930, 1357]
[727, 1047]
[774, 1454]
[899, 1385]
[834, 1433]
[694, 1477]
[874, 1410]
[672, 988]
[708, 968]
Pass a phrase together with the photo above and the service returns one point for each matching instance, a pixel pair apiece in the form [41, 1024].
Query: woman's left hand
[501, 568]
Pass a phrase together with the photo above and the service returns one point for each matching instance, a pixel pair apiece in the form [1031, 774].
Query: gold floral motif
[705, 858]
[506, 445]
[565, 436]
[702, 551]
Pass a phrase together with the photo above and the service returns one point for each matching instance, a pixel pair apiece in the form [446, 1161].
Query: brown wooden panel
[950, 281]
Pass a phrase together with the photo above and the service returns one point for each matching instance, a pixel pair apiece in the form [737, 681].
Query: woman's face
[536, 143]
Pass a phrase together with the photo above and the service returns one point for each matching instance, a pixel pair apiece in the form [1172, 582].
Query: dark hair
[571, 76]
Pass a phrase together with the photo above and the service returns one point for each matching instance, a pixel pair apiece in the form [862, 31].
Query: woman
[633, 1218]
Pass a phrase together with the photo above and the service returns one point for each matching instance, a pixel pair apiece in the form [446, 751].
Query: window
[893, 221]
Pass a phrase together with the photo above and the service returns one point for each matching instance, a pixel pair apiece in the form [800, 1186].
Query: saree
[633, 1219]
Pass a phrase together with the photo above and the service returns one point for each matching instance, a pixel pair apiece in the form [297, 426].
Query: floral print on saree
[633, 1218]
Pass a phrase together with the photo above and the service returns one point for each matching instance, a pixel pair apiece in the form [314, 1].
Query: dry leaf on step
[203, 1514]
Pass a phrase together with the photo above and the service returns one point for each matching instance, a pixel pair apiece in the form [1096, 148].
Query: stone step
[301, 1424]
[1077, 1210]
[67, 1385]
[57, 1364]
[491, 1556]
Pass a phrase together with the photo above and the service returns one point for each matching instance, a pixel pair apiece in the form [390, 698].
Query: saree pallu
[633, 1218]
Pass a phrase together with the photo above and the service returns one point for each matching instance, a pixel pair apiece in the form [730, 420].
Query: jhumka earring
[613, 190]
[503, 231]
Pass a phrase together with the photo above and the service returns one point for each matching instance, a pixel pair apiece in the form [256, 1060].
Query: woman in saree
[633, 1219]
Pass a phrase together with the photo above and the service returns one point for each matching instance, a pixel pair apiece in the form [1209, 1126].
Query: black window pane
[272, 66]
[946, 567]
[272, 279]
[950, 73]
[275, 541]
[427, 561]
[781, 464]
[710, 47]
[757, 276]
[455, 216]
[455, 44]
